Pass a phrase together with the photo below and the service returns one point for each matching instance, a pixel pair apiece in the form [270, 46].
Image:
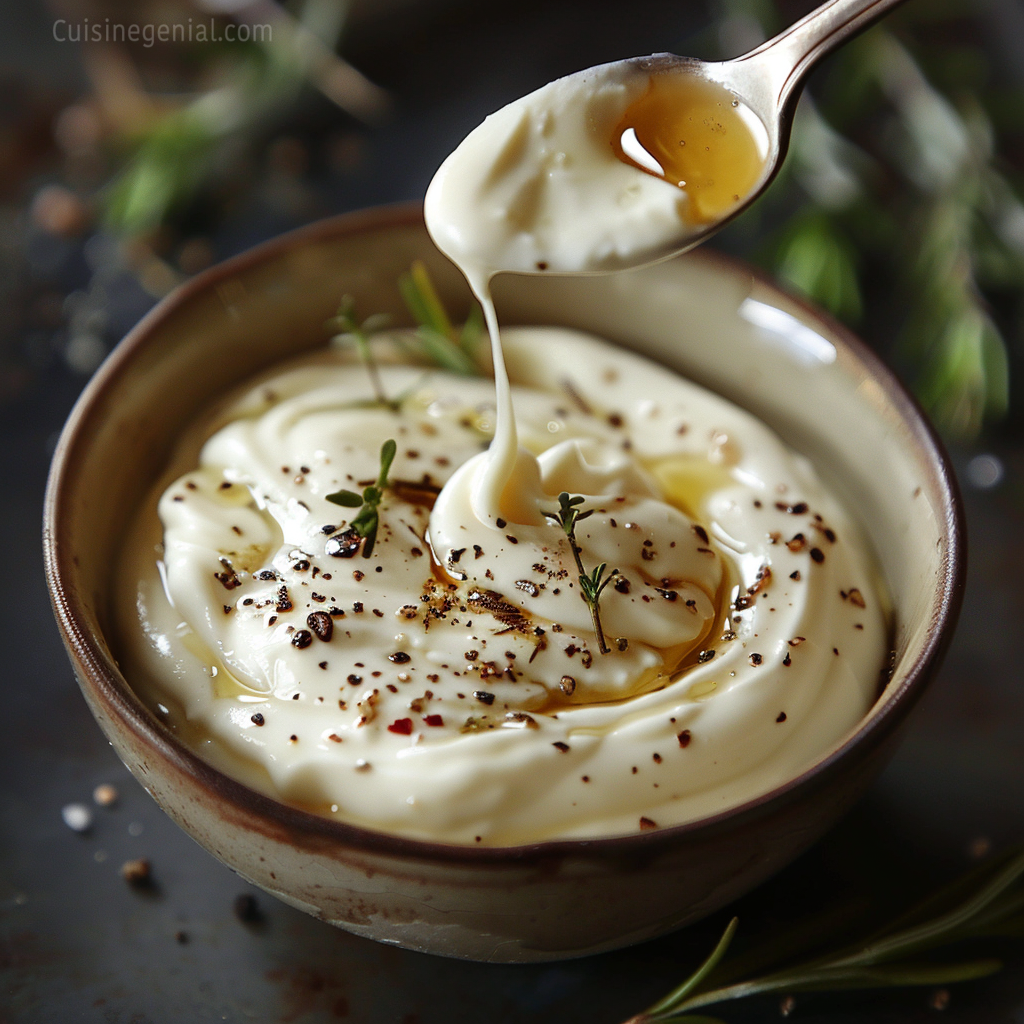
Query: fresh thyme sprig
[367, 519]
[591, 583]
[347, 330]
[451, 349]
[986, 903]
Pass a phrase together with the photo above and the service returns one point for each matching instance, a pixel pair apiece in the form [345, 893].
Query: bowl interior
[709, 318]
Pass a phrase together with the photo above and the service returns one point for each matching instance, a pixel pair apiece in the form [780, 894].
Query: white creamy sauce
[453, 685]
[462, 695]
[537, 186]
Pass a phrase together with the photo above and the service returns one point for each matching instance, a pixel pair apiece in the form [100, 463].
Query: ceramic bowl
[707, 317]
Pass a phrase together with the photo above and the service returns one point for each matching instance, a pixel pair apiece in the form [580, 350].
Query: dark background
[76, 942]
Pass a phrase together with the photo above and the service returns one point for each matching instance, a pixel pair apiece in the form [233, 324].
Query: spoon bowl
[550, 183]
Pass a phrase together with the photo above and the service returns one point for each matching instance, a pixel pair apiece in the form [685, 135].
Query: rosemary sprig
[451, 349]
[367, 519]
[347, 330]
[591, 583]
[987, 902]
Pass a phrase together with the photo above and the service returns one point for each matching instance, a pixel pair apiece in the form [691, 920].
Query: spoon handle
[791, 54]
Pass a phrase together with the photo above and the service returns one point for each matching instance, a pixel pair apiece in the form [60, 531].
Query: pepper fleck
[321, 624]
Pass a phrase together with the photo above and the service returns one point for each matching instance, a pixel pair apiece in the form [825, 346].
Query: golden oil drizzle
[698, 134]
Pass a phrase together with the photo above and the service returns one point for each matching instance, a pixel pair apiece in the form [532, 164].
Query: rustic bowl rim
[109, 687]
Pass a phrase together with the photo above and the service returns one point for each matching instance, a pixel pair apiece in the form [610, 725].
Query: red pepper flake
[684, 738]
[781, 717]
[472, 655]
[656, 758]
[399, 658]
[435, 720]
[402, 726]
[647, 823]
[257, 719]
[856, 597]
[797, 542]
[795, 575]
[227, 579]
[559, 745]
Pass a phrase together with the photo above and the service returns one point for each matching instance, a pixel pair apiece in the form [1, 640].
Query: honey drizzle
[700, 136]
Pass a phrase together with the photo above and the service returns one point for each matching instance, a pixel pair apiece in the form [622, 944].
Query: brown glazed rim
[305, 829]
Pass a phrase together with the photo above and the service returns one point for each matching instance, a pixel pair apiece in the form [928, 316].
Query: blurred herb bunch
[895, 206]
[894, 210]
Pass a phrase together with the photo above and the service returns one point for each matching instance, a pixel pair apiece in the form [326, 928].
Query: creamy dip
[451, 686]
[608, 168]
[599, 599]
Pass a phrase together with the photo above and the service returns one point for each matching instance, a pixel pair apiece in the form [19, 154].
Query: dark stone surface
[77, 944]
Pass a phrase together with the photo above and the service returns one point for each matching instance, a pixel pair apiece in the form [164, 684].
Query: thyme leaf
[367, 519]
[347, 330]
[591, 583]
[985, 903]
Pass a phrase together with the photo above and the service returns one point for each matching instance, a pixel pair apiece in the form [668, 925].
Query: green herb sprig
[591, 583]
[347, 330]
[450, 348]
[367, 519]
[986, 903]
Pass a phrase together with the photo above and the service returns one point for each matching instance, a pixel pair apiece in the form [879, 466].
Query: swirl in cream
[450, 687]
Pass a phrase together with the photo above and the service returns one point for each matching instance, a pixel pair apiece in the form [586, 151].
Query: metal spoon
[770, 77]
[545, 185]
